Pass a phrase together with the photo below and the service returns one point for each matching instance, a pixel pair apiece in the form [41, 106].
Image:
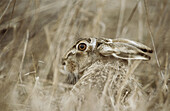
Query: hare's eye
[82, 46]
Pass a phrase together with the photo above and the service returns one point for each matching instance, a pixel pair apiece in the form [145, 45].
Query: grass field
[34, 35]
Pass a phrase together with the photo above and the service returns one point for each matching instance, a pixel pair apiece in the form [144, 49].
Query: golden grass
[34, 34]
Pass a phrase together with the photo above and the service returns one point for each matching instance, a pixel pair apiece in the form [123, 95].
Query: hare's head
[86, 51]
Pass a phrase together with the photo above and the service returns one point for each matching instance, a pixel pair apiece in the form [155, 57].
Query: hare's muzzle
[63, 62]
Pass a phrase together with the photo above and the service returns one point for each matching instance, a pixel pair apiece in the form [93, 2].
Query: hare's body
[102, 65]
[102, 71]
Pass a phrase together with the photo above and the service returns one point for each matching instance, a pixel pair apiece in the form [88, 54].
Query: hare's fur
[104, 74]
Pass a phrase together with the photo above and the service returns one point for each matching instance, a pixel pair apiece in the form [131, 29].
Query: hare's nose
[63, 62]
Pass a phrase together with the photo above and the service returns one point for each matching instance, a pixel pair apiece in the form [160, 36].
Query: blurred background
[34, 35]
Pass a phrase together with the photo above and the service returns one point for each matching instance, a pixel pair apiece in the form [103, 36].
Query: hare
[98, 68]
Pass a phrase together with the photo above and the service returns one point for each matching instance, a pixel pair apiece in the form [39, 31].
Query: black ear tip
[146, 56]
[145, 50]
[150, 51]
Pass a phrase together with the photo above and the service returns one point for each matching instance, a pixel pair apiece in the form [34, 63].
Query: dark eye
[82, 46]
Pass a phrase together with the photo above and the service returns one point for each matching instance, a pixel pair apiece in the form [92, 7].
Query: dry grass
[34, 34]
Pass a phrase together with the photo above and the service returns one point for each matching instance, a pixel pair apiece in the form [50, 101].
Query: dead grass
[34, 34]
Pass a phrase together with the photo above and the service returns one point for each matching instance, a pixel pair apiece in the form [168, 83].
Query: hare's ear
[124, 49]
[138, 45]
